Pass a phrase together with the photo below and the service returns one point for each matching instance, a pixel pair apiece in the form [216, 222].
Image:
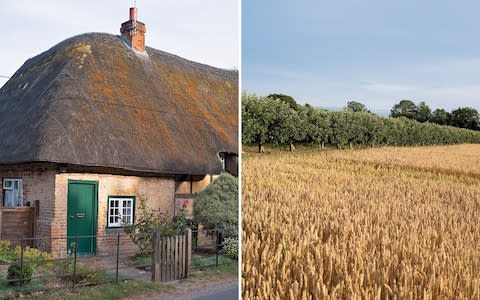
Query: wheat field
[382, 223]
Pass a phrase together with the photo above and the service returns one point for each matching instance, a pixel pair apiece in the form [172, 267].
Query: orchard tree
[287, 127]
[373, 129]
[317, 125]
[341, 128]
[257, 120]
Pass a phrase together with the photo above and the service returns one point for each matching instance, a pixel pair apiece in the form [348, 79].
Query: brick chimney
[134, 31]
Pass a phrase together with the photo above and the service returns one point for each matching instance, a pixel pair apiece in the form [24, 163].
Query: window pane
[8, 198]
[13, 196]
[16, 196]
[121, 211]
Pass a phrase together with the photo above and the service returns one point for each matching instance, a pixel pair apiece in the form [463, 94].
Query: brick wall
[38, 184]
[159, 193]
[42, 182]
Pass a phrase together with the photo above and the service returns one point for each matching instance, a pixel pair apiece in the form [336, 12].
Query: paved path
[224, 291]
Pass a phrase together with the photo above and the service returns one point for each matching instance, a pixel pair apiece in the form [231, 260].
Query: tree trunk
[339, 147]
[323, 146]
[292, 147]
[260, 148]
[351, 145]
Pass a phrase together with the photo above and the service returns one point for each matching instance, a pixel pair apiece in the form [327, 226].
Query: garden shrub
[84, 273]
[7, 255]
[32, 256]
[148, 221]
[230, 248]
[216, 207]
[18, 274]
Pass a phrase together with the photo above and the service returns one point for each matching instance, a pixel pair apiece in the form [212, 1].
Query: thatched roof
[92, 101]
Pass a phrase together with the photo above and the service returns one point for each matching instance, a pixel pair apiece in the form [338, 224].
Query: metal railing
[116, 259]
[207, 248]
[29, 269]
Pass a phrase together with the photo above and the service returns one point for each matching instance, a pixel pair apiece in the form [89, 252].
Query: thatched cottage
[98, 121]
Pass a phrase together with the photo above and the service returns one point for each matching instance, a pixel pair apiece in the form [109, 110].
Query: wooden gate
[171, 257]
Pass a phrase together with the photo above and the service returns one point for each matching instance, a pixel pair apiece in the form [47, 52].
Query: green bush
[84, 273]
[148, 221]
[216, 207]
[230, 248]
[7, 254]
[32, 256]
[18, 275]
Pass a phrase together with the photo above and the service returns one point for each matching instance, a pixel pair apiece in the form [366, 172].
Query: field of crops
[380, 223]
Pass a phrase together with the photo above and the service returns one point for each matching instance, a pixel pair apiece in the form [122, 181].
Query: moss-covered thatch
[90, 100]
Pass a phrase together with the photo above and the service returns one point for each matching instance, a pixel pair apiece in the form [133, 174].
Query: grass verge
[130, 289]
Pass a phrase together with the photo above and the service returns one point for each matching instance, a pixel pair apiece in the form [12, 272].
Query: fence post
[74, 260]
[188, 252]
[118, 255]
[21, 261]
[217, 247]
[156, 257]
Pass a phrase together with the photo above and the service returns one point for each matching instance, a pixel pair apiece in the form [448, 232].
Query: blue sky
[377, 52]
[203, 31]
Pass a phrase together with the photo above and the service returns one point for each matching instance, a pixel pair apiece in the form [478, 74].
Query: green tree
[405, 108]
[440, 116]
[257, 119]
[342, 128]
[465, 117]
[288, 126]
[373, 129]
[317, 125]
[216, 207]
[285, 99]
[424, 113]
[354, 106]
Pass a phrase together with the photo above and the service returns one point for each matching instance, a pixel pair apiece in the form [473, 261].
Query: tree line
[278, 119]
[462, 117]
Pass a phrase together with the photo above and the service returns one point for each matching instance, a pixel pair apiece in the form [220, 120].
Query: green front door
[82, 216]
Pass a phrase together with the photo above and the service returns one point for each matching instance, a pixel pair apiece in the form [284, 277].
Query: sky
[377, 52]
[205, 31]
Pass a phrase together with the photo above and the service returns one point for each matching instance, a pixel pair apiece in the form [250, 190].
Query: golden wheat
[321, 225]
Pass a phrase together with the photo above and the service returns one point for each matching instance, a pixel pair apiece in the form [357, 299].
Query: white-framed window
[121, 210]
[12, 192]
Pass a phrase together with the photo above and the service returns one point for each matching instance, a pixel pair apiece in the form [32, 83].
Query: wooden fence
[17, 223]
[171, 257]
